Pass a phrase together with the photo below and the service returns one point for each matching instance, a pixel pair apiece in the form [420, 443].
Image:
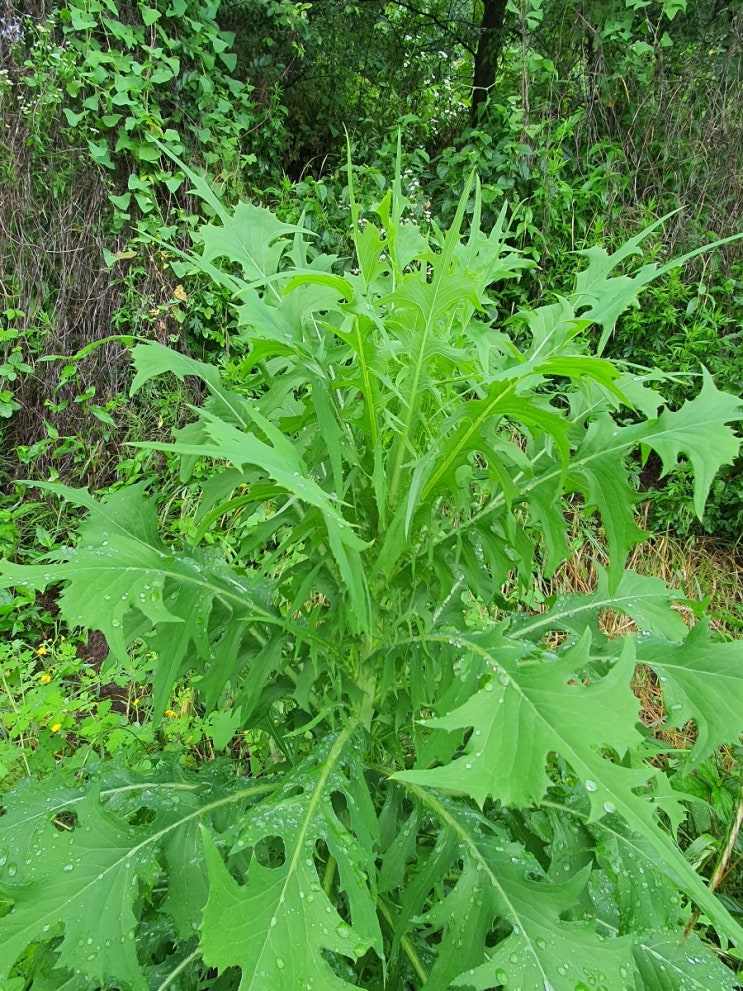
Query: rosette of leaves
[461, 793]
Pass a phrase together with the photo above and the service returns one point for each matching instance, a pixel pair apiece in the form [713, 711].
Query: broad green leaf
[640, 394]
[499, 882]
[529, 710]
[701, 680]
[77, 860]
[667, 964]
[251, 236]
[644, 599]
[229, 433]
[604, 296]
[279, 924]
[700, 432]
[121, 579]
[152, 359]
[464, 433]
[600, 474]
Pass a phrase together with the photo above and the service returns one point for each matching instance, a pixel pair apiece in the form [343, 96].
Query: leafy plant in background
[12, 364]
[126, 80]
[455, 791]
[85, 94]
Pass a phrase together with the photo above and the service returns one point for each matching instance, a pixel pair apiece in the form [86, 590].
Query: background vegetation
[586, 124]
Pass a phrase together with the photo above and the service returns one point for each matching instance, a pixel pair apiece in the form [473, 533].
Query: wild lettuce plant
[461, 793]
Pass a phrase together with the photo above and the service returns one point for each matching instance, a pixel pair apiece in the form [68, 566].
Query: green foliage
[126, 79]
[689, 328]
[90, 96]
[456, 791]
[53, 707]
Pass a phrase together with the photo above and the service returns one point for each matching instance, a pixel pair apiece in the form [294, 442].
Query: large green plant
[461, 793]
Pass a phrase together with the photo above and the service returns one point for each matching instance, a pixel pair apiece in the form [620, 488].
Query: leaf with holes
[82, 863]
[278, 925]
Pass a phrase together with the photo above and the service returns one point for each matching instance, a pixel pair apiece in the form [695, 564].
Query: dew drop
[591, 785]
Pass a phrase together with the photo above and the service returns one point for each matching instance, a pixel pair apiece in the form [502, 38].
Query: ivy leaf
[701, 680]
[279, 924]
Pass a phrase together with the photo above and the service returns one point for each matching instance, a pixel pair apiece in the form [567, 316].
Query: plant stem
[405, 945]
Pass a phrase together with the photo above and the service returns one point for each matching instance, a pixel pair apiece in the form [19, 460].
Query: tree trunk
[489, 45]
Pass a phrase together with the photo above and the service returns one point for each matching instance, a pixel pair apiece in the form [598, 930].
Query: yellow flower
[170, 713]
[45, 678]
[135, 701]
[56, 727]
[41, 651]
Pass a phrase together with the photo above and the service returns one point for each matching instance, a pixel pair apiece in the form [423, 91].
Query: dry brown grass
[702, 569]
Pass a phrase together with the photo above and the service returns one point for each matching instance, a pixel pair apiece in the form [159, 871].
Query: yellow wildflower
[45, 678]
[135, 701]
[170, 713]
[56, 727]
[41, 651]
